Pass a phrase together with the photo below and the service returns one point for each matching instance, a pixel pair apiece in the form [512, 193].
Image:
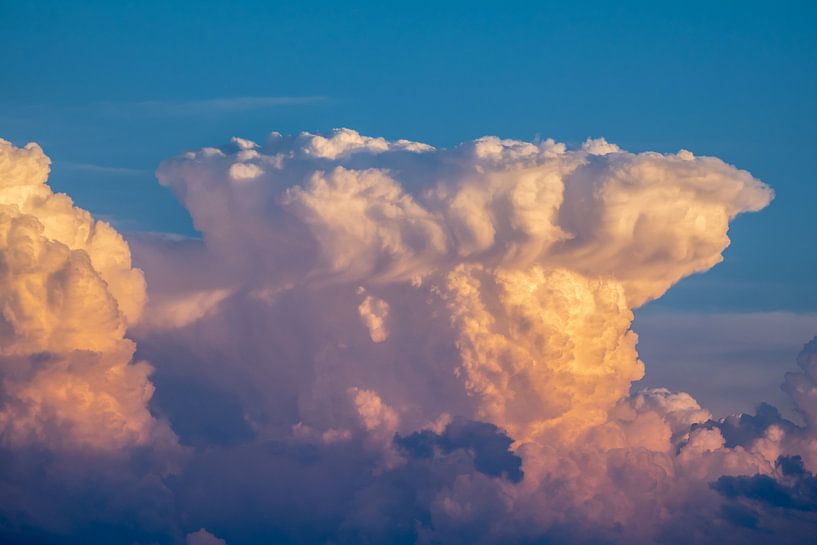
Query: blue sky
[111, 88]
[301, 392]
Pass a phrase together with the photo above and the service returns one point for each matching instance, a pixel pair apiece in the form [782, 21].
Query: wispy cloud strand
[104, 169]
[207, 106]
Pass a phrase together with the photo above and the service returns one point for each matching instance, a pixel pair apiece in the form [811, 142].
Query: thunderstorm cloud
[378, 341]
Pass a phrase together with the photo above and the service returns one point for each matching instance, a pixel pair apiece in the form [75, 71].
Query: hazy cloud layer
[743, 355]
[206, 107]
[379, 341]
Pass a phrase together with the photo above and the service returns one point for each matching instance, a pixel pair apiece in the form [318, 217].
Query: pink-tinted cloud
[380, 341]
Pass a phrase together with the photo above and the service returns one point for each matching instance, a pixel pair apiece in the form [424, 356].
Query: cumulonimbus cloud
[382, 341]
[533, 255]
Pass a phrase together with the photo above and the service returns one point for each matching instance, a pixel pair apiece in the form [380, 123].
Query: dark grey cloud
[782, 508]
[489, 446]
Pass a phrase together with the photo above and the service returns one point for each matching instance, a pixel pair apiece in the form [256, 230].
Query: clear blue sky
[112, 88]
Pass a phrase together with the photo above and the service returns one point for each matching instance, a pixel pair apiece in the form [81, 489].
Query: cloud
[802, 386]
[800, 496]
[788, 500]
[495, 281]
[381, 341]
[206, 107]
[489, 445]
[102, 169]
[68, 293]
[75, 422]
[374, 312]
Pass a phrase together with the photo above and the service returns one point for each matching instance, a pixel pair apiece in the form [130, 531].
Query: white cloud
[245, 171]
[344, 142]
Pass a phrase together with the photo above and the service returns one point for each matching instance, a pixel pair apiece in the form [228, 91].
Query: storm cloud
[380, 341]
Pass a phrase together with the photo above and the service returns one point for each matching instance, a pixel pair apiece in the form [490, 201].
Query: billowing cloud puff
[544, 350]
[346, 141]
[374, 312]
[67, 294]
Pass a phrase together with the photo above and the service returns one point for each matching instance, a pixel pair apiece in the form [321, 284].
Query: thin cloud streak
[205, 107]
[105, 169]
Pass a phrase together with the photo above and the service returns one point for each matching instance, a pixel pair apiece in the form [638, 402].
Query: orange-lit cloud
[531, 256]
[377, 336]
[68, 292]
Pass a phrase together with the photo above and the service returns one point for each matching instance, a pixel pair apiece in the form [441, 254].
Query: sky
[116, 93]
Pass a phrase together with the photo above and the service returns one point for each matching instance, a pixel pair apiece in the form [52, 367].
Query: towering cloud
[384, 287]
[67, 294]
[528, 256]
